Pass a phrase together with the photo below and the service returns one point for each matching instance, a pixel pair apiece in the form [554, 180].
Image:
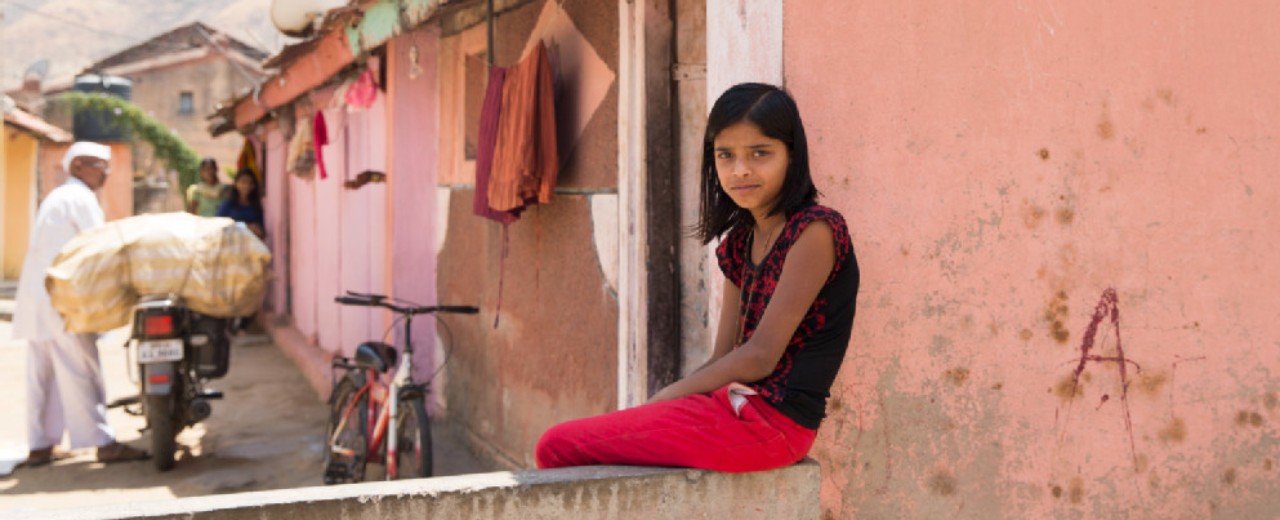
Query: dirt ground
[265, 434]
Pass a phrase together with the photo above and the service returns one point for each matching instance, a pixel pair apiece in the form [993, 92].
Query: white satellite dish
[299, 18]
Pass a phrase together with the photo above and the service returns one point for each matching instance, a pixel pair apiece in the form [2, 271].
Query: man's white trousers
[64, 391]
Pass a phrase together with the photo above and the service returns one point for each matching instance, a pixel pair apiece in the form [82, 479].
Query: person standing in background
[245, 203]
[64, 374]
[204, 197]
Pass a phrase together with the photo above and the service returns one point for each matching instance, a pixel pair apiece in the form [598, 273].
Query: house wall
[17, 187]
[116, 196]
[211, 80]
[1003, 166]
[544, 347]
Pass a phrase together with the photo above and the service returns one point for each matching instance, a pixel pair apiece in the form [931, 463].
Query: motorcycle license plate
[159, 350]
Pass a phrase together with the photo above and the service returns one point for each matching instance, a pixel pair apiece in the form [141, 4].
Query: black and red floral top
[801, 382]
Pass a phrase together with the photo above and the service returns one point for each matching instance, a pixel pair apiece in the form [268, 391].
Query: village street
[266, 434]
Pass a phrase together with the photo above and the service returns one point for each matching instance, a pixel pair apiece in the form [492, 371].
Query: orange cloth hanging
[525, 162]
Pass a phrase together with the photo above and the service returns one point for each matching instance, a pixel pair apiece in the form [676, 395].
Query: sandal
[43, 457]
[117, 452]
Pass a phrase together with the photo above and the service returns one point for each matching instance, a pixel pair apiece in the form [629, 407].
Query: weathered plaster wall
[552, 354]
[1001, 165]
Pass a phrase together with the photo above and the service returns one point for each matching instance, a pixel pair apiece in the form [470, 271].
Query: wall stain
[1068, 388]
[943, 483]
[1266, 465]
[1229, 476]
[1076, 491]
[1032, 215]
[1044, 154]
[1055, 313]
[1057, 491]
[957, 376]
[1175, 431]
[1150, 384]
[1248, 418]
[1025, 334]
[1106, 130]
[1066, 215]
[1270, 401]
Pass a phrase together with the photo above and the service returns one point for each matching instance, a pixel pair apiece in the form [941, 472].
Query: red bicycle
[362, 402]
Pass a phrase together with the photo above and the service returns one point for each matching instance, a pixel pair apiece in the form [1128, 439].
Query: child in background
[204, 197]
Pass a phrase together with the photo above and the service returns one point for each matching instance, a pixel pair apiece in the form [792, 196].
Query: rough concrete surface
[603, 492]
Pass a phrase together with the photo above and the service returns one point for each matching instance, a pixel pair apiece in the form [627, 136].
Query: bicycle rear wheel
[413, 439]
[346, 448]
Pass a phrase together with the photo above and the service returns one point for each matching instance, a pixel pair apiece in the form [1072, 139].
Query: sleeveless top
[801, 382]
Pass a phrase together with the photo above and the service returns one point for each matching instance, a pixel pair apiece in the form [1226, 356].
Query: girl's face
[209, 174]
[751, 167]
[245, 185]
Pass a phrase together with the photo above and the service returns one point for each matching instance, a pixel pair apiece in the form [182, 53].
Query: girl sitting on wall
[786, 318]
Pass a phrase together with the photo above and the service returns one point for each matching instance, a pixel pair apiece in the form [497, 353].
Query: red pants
[697, 431]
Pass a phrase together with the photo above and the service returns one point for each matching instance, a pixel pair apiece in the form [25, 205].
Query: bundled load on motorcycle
[215, 266]
[182, 280]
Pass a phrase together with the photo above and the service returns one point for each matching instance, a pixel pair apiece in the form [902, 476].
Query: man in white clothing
[64, 376]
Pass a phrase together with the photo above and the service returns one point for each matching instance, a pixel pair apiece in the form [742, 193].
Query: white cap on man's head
[85, 149]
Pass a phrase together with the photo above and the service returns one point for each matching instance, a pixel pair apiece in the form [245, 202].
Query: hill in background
[73, 34]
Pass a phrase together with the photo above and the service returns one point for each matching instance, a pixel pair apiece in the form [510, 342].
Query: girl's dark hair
[774, 112]
[255, 196]
[211, 162]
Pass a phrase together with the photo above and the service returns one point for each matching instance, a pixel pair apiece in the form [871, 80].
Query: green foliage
[168, 147]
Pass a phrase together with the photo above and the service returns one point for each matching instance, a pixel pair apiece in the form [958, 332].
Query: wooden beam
[330, 55]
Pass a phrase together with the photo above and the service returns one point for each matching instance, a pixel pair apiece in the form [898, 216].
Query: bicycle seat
[375, 355]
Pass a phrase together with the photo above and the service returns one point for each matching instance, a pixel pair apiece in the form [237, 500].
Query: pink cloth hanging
[321, 138]
[363, 91]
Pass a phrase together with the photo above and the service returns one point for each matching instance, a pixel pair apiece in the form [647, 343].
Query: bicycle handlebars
[377, 300]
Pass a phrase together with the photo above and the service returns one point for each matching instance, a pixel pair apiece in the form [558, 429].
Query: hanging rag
[301, 160]
[362, 93]
[248, 159]
[321, 139]
[525, 162]
[490, 112]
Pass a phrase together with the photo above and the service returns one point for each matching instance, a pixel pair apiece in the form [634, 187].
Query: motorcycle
[178, 350]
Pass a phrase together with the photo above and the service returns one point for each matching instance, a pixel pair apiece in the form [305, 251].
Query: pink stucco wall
[362, 226]
[1001, 165]
[414, 93]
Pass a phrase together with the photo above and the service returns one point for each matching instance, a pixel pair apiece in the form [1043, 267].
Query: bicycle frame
[382, 391]
[384, 400]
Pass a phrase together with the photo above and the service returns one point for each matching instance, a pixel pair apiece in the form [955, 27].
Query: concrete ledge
[311, 360]
[600, 492]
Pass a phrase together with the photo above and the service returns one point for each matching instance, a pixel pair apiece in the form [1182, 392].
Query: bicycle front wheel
[346, 447]
[413, 439]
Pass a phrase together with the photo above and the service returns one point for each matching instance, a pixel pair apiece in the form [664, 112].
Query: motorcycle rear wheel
[164, 430]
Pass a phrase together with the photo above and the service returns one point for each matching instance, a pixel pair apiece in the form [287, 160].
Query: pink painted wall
[328, 233]
[276, 221]
[1003, 163]
[363, 224]
[303, 259]
[414, 92]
